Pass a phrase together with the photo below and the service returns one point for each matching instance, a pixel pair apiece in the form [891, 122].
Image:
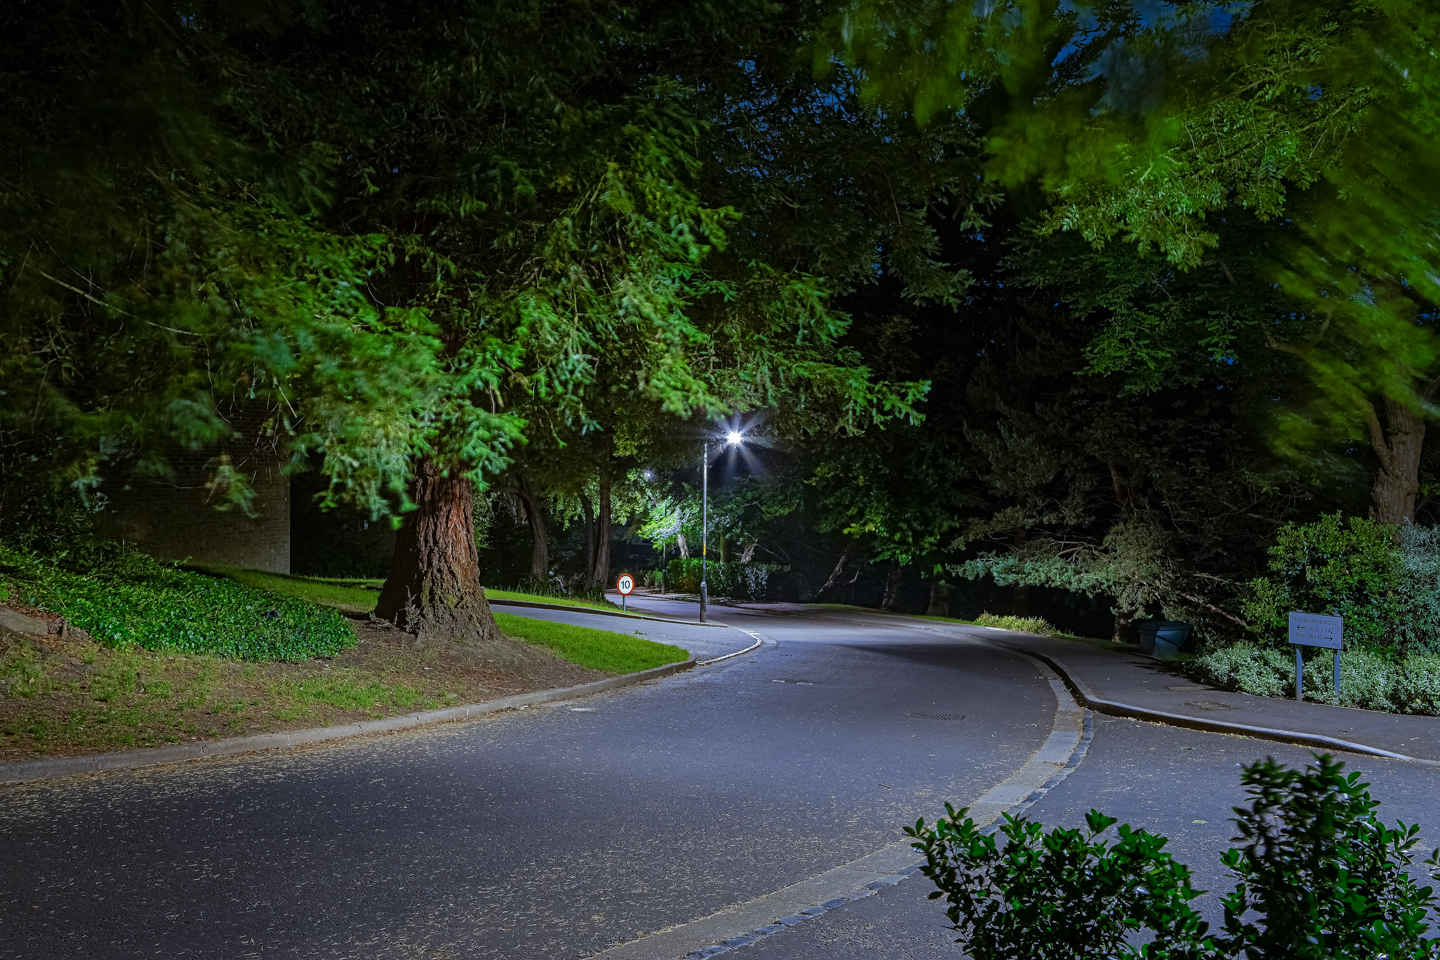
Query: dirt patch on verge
[66, 696]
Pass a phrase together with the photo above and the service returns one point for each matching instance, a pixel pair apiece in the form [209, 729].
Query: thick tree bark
[1398, 445]
[434, 589]
[748, 553]
[683, 546]
[540, 542]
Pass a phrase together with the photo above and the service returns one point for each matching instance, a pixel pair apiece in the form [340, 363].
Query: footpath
[1126, 683]
[1133, 685]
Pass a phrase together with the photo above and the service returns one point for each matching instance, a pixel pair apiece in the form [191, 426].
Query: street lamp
[732, 438]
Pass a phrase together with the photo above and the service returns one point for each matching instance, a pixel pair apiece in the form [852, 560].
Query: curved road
[564, 830]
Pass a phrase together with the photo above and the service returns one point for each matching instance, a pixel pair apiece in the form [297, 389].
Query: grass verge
[359, 596]
[597, 649]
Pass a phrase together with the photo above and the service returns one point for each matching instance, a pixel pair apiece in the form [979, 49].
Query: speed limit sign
[626, 586]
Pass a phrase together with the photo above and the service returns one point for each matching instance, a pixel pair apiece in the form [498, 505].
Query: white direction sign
[626, 584]
[1315, 630]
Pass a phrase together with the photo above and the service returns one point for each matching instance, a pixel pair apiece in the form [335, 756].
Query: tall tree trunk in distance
[939, 599]
[748, 553]
[434, 589]
[597, 555]
[600, 569]
[835, 574]
[682, 546]
[589, 537]
[1398, 445]
[892, 587]
[540, 548]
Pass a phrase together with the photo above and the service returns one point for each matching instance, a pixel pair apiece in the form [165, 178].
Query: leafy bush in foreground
[1319, 876]
[121, 596]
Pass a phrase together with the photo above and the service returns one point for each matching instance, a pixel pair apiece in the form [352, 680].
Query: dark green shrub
[736, 581]
[121, 596]
[1325, 878]
[1318, 877]
[1349, 569]
[1063, 894]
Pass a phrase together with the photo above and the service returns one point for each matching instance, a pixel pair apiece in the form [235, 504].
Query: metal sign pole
[1299, 675]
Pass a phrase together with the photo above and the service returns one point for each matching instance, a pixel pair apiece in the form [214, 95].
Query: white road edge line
[745, 923]
[738, 653]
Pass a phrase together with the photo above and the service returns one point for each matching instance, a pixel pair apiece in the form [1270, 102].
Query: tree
[1158, 124]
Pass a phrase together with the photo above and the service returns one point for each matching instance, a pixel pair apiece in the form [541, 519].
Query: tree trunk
[939, 599]
[682, 546]
[589, 512]
[540, 547]
[892, 587]
[434, 589]
[1398, 445]
[748, 554]
[600, 568]
[834, 577]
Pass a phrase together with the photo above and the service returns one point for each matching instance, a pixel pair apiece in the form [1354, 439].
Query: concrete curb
[1115, 709]
[133, 759]
[534, 604]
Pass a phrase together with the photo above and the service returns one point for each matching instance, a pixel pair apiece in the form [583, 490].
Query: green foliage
[355, 595]
[735, 581]
[597, 649]
[122, 597]
[1319, 876]
[1417, 625]
[1059, 895]
[1369, 679]
[1023, 624]
[1335, 567]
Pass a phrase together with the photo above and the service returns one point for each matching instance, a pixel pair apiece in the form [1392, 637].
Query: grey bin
[1164, 639]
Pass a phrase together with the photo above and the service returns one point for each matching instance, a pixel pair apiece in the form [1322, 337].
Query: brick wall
[176, 519]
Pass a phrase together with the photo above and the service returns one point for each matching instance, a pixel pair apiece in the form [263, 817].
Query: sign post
[1314, 630]
[626, 586]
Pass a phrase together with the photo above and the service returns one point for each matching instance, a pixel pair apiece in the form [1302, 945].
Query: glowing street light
[734, 438]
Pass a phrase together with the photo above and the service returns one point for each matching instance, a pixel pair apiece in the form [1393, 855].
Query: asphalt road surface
[560, 831]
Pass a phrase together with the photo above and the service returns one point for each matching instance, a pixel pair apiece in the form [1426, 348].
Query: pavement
[577, 828]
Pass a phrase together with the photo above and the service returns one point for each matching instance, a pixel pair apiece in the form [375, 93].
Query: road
[564, 830]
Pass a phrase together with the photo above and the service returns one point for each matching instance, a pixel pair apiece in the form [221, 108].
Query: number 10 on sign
[624, 585]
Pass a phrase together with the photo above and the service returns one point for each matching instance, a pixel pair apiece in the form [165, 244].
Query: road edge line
[759, 640]
[815, 896]
[29, 771]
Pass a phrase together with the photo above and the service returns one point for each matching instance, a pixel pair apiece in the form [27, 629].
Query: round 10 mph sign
[625, 585]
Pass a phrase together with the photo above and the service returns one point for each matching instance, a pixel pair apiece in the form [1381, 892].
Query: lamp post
[734, 438]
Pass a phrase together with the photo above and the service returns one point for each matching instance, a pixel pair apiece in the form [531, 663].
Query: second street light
[733, 438]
